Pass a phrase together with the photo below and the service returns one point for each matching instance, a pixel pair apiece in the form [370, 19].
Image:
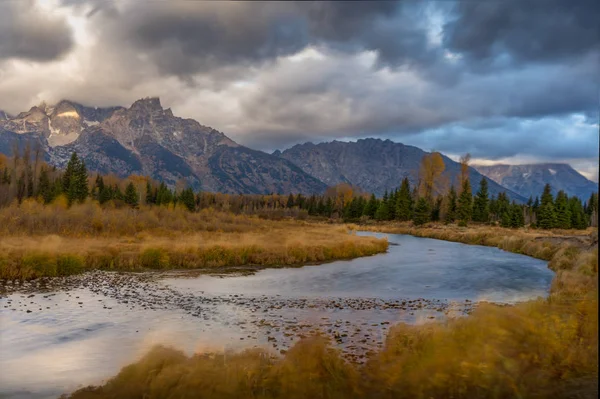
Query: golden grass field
[37, 240]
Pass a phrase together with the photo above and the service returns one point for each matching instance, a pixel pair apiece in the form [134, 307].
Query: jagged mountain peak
[147, 104]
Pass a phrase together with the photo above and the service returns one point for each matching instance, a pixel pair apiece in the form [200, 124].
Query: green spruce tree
[546, 216]
[563, 211]
[422, 213]
[404, 203]
[131, 195]
[465, 204]
[481, 203]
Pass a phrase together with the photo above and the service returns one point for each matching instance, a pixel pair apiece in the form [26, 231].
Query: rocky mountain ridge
[375, 165]
[530, 179]
[146, 139]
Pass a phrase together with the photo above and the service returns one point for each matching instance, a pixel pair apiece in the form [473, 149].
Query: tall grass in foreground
[533, 350]
[538, 349]
[37, 240]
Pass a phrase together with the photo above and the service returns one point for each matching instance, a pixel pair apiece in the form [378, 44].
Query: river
[54, 341]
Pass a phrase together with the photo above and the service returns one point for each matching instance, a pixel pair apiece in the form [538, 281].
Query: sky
[507, 81]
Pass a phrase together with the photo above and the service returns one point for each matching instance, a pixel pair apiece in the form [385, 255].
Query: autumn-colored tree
[432, 167]
[464, 167]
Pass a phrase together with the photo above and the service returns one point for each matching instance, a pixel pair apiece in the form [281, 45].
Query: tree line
[432, 199]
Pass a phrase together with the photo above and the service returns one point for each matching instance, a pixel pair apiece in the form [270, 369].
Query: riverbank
[48, 241]
[542, 348]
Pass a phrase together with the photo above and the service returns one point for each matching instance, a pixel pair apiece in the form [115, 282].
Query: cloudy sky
[507, 81]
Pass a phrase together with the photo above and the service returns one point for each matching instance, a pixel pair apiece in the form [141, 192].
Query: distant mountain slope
[529, 180]
[147, 139]
[374, 165]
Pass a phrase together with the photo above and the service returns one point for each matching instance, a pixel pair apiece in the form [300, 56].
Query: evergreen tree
[578, 216]
[371, 207]
[44, 187]
[188, 199]
[71, 169]
[150, 194]
[404, 203]
[517, 218]
[422, 212]
[481, 203]
[465, 203]
[105, 194]
[75, 180]
[563, 211]
[164, 196]
[451, 206]
[383, 211]
[329, 207]
[502, 205]
[290, 202]
[131, 195]
[546, 217]
[436, 209]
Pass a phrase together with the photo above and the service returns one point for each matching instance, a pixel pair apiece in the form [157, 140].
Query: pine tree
[563, 211]
[44, 187]
[371, 207]
[71, 169]
[517, 218]
[578, 216]
[404, 203]
[290, 202]
[452, 206]
[383, 212]
[481, 203]
[131, 195]
[422, 212]
[150, 194]
[188, 199]
[465, 203]
[546, 217]
[436, 209]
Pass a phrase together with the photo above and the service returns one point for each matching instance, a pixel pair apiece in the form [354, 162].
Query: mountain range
[147, 139]
[529, 180]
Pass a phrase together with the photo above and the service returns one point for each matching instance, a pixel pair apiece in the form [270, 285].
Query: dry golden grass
[533, 350]
[40, 241]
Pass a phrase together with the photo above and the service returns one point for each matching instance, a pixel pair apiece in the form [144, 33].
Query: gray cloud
[28, 33]
[507, 32]
[551, 138]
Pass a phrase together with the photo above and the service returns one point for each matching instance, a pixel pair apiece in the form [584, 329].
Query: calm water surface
[79, 337]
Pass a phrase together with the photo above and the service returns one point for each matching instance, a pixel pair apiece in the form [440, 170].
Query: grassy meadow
[546, 348]
[52, 240]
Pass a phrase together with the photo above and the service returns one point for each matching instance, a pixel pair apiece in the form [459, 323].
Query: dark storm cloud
[28, 33]
[524, 30]
[183, 38]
